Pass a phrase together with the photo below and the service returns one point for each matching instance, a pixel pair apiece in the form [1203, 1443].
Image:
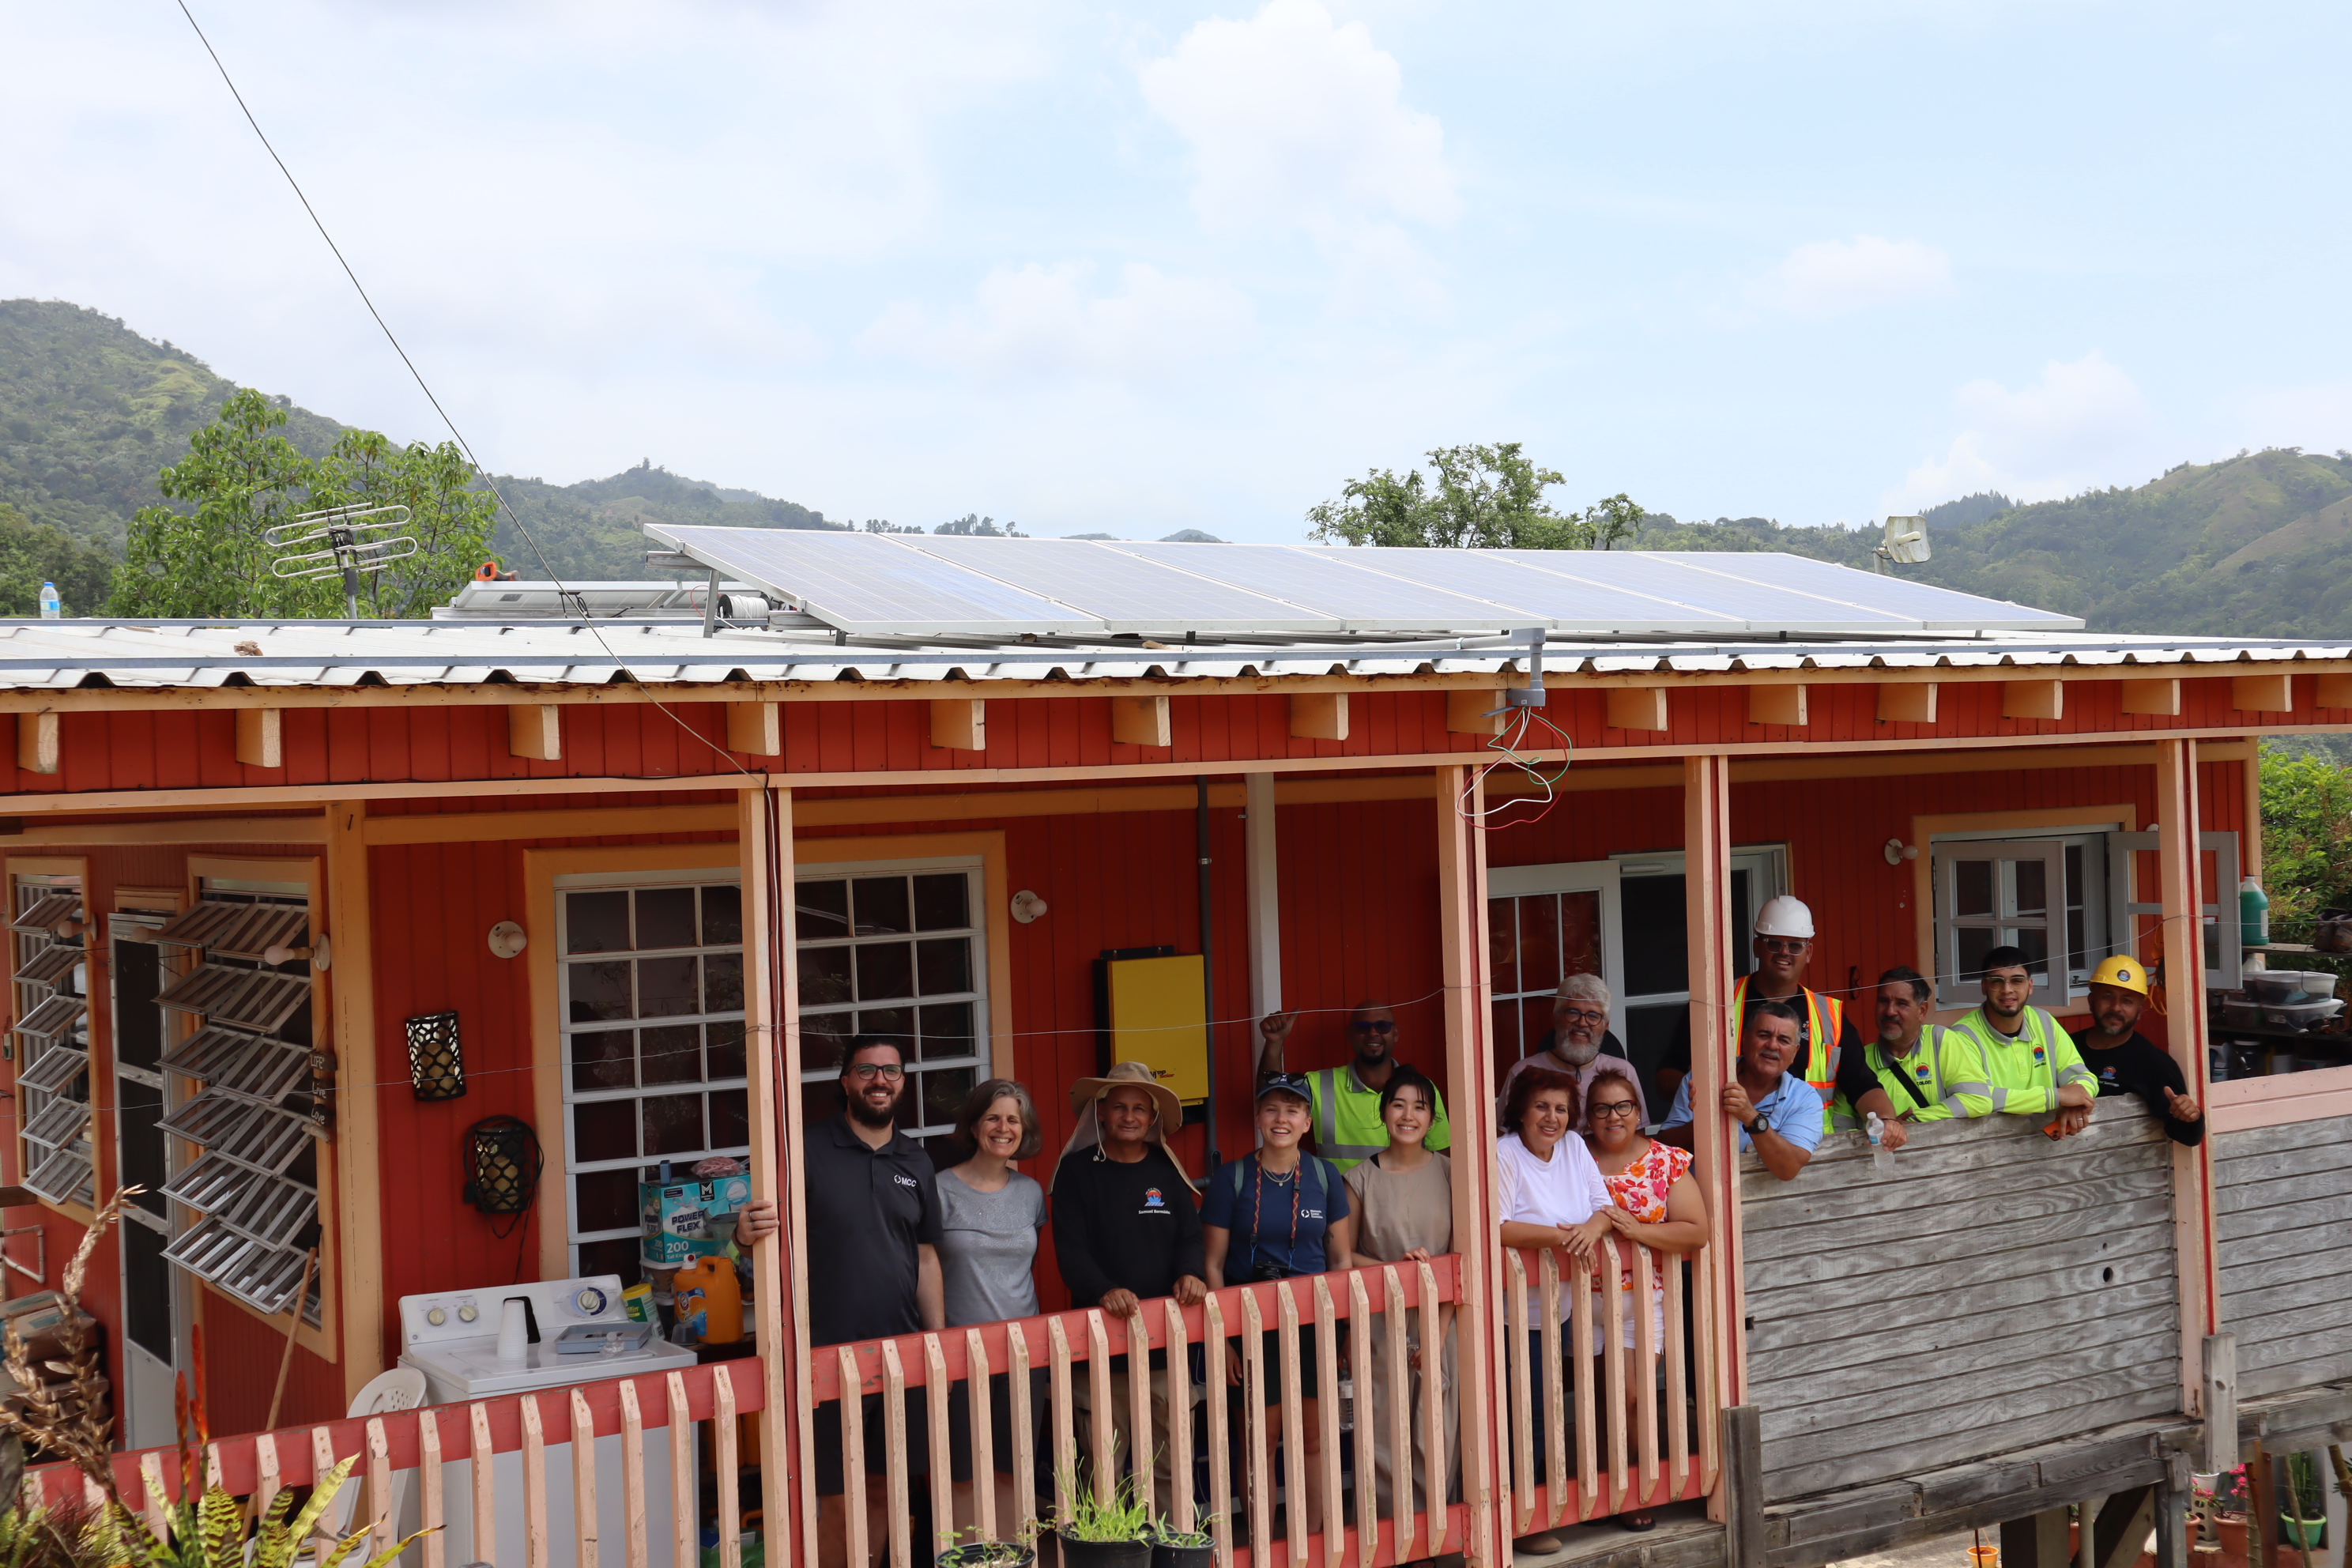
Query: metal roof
[54, 654]
[869, 584]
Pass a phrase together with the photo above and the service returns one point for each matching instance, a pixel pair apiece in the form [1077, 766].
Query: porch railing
[1254, 1473]
[653, 1409]
[1552, 1306]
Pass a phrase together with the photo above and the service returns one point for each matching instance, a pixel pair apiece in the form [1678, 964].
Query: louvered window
[245, 1065]
[52, 1037]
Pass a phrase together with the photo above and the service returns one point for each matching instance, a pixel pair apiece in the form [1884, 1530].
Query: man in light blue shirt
[1778, 1114]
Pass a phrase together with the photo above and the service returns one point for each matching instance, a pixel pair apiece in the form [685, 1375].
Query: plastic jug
[710, 1300]
[2253, 913]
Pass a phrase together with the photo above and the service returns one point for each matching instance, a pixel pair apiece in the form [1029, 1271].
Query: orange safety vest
[1824, 1022]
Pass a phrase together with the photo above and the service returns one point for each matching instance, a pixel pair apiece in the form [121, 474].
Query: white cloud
[1039, 322]
[1295, 120]
[2084, 423]
[1828, 278]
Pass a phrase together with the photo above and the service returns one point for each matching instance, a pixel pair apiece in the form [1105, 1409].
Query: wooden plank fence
[2283, 1201]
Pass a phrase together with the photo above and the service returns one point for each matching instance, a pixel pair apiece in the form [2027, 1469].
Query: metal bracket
[1531, 695]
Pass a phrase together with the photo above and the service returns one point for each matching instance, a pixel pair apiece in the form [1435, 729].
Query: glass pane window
[896, 953]
[653, 1049]
[1535, 939]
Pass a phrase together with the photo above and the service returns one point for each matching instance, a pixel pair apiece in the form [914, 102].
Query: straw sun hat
[1087, 1092]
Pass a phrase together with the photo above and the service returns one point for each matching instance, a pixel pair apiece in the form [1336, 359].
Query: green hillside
[2252, 546]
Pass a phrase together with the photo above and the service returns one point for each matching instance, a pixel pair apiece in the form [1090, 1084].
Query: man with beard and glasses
[1345, 1100]
[2031, 1067]
[873, 1240]
[2125, 1061]
[1581, 1045]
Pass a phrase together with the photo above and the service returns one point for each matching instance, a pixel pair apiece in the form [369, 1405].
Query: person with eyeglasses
[1778, 1114]
[1827, 1038]
[1579, 1044]
[1345, 1102]
[873, 1237]
[1656, 1204]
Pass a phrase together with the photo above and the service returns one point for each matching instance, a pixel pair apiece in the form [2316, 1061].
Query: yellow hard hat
[2125, 973]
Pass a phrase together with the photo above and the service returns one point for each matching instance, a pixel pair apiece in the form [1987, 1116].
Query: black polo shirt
[868, 1210]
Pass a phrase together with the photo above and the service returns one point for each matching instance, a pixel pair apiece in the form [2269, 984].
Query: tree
[2307, 838]
[32, 554]
[241, 479]
[1482, 498]
[973, 524]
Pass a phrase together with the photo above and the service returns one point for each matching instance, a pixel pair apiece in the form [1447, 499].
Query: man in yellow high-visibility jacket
[1917, 1072]
[2032, 1067]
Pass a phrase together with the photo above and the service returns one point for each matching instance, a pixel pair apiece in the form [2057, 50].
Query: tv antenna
[1905, 545]
[354, 544]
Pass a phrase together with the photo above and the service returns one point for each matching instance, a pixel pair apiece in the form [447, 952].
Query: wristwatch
[1750, 1127]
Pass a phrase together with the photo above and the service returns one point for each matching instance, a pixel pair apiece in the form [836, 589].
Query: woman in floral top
[1654, 1203]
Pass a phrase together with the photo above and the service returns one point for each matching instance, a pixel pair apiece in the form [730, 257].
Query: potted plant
[979, 1552]
[1173, 1548]
[1113, 1532]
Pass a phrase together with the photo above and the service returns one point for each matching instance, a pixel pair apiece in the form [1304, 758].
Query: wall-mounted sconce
[321, 953]
[508, 940]
[1027, 906]
[436, 1067]
[502, 1166]
[1897, 852]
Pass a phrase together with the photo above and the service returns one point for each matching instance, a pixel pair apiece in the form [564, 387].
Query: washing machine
[576, 1332]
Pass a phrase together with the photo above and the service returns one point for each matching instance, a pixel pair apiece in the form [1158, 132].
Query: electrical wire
[1509, 743]
[563, 595]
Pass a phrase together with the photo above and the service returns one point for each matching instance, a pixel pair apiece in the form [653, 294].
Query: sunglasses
[1611, 1109]
[867, 1072]
[1581, 1016]
[1375, 1027]
[1783, 944]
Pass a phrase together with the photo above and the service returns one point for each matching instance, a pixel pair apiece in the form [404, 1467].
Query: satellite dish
[1907, 541]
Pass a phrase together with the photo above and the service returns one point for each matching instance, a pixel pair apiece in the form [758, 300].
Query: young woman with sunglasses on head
[1403, 1199]
[1653, 1202]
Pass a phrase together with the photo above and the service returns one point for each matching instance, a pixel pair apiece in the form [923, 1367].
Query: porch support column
[1461, 926]
[771, 1040]
[2178, 863]
[1259, 873]
[358, 1188]
[1720, 1279]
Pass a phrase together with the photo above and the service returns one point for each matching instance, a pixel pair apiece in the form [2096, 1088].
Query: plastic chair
[401, 1388]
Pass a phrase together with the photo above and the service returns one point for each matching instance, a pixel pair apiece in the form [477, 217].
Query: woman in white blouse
[1552, 1197]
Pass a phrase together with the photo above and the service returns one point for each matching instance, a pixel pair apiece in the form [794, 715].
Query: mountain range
[2251, 545]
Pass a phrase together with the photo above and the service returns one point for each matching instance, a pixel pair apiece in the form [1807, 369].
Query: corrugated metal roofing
[59, 654]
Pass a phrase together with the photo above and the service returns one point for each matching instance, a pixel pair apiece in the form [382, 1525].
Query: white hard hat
[1784, 916]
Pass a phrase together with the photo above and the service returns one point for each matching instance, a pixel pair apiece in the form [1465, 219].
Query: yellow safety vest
[1824, 1022]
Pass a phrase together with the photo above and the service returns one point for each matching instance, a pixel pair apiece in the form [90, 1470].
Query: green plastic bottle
[2253, 913]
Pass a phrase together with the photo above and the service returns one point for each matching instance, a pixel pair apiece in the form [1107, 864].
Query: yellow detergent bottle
[710, 1299]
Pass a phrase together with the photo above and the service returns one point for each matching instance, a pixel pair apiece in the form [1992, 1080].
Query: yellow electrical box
[1156, 1013]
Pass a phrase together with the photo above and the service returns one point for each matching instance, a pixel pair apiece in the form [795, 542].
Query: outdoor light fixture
[502, 1166]
[1896, 851]
[436, 1067]
[1027, 906]
[507, 940]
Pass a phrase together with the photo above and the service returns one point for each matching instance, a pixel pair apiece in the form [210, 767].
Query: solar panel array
[926, 584]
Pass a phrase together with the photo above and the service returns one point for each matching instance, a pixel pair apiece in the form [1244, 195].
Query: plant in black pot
[1113, 1532]
[1173, 1548]
[979, 1553]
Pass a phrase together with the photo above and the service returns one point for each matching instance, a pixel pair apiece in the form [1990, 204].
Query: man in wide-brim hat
[1125, 1229]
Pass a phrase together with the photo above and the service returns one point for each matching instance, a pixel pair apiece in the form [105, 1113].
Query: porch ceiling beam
[1783, 704]
[1140, 722]
[2266, 693]
[1318, 715]
[251, 797]
[36, 743]
[755, 728]
[1637, 708]
[2033, 700]
[1473, 710]
[535, 732]
[2332, 691]
[2158, 699]
[1909, 703]
[960, 724]
[258, 737]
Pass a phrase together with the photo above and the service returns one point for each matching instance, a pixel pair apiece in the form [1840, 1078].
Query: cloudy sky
[1142, 266]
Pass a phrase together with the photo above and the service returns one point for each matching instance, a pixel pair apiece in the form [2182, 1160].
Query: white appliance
[453, 1339]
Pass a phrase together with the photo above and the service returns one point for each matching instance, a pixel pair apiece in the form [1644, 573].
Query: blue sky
[1140, 267]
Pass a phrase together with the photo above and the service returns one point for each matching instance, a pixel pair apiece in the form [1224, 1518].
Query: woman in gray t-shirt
[990, 1215]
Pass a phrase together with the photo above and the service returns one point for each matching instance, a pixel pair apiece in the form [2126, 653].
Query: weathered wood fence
[2283, 1201]
[1995, 1291]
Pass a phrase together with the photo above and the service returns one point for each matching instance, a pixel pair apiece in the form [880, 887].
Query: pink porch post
[1719, 1291]
[2179, 861]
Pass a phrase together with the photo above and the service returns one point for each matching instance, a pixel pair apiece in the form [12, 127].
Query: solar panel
[928, 585]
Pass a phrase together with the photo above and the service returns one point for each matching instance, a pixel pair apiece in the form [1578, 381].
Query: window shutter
[2134, 917]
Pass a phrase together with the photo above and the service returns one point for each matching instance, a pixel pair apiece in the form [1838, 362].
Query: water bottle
[1882, 1158]
[51, 608]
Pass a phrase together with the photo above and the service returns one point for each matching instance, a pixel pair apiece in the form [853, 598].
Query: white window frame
[981, 1056]
[568, 883]
[2219, 912]
[1954, 989]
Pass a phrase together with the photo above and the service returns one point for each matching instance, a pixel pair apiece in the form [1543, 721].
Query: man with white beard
[1579, 1031]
